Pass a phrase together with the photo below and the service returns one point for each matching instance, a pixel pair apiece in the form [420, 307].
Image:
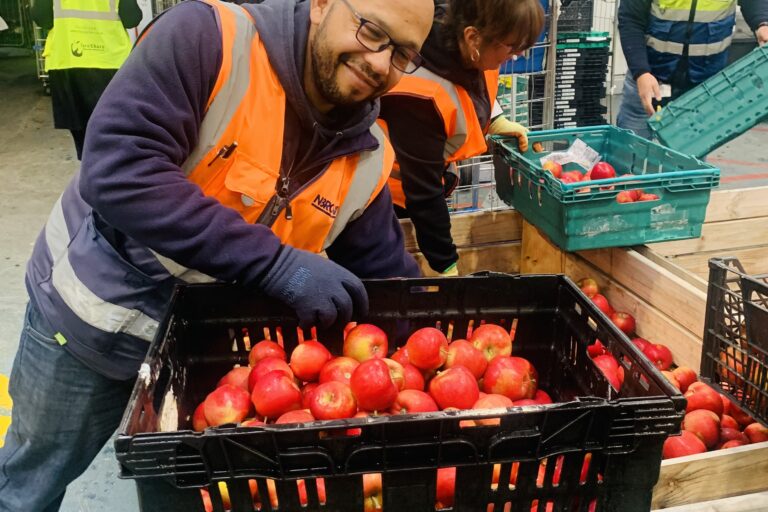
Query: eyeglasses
[375, 39]
[511, 50]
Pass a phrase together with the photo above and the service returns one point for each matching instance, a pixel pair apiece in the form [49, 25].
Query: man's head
[355, 48]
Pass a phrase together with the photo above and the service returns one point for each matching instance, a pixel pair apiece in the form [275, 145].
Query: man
[679, 44]
[235, 144]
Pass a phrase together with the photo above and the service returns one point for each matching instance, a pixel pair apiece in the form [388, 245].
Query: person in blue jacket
[235, 144]
[677, 44]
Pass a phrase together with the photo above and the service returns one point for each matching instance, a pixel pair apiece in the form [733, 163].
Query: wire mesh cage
[15, 13]
[477, 187]
[40, 35]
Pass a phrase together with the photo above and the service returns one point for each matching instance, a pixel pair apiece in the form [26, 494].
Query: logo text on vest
[325, 206]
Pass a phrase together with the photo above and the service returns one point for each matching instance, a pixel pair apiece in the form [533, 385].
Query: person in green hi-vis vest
[87, 42]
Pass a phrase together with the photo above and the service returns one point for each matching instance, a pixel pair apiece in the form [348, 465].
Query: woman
[441, 113]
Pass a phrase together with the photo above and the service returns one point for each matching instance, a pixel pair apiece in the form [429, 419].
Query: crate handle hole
[424, 289]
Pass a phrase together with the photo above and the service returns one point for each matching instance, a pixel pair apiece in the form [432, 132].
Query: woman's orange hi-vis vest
[465, 137]
[238, 157]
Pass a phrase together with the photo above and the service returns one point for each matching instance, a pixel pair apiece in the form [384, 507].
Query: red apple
[701, 396]
[413, 379]
[671, 378]
[687, 443]
[625, 196]
[609, 366]
[589, 287]
[226, 404]
[266, 365]
[641, 343]
[297, 416]
[454, 387]
[648, 197]
[514, 378]
[302, 488]
[199, 423]
[727, 421]
[602, 171]
[333, 400]
[237, 377]
[307, 359]
[659, 355]
[365, 341]
[427, 348]
[732, 434]
[685, 376]
[756, 432]
[726, 404]
[596, 349]
[372, 385]
[554, 167]
[463, 353]
[275, 394]
[705, 424]
[401, 356]
[306, 393]
[624, 321]
[542, 397]
[492, 340]
[733, 443]
[339, 369]
[412, 401]
[396, 373]
[253, 422]
[373, 499]
[491, 401]
[739, 415]
[636, 193]
[602, 304]
[445, 488]
[265, 348]
[571, 177]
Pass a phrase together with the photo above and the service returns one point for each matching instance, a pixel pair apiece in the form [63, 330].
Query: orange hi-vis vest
[238, 157]
[465, 137]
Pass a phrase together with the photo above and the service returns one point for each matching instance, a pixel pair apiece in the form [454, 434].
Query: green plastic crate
[718, 110]
[585, 215]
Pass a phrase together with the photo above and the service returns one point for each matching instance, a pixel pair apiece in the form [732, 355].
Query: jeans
[632, 115]
[63, 414]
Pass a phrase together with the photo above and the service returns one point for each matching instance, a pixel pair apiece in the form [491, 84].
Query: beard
[326, 65]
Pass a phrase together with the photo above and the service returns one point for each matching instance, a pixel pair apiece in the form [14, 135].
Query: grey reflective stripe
[684, 14]
[111, 15]
[231, 93]
[364, 182]
[89, 307]
[179, 271]
[694, 50]
[459, 137]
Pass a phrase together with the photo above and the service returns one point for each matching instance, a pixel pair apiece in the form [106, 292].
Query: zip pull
[284, 192]
[224, 153]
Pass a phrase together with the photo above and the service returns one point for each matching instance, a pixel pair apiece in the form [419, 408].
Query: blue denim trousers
[63, 414]
[632, 115]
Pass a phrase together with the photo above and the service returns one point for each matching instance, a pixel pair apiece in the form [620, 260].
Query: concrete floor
[37, 161]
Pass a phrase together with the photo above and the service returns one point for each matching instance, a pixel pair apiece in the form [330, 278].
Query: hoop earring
[475, 56]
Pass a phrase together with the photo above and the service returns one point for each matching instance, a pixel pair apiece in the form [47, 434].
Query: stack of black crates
[581, 67]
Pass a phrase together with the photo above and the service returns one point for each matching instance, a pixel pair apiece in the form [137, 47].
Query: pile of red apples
[600, 171]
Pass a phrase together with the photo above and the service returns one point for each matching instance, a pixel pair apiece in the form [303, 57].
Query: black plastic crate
[207, 331]
[735, 353]
[575, 15]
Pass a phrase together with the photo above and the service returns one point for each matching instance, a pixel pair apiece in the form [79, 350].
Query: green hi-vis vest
[86, 34]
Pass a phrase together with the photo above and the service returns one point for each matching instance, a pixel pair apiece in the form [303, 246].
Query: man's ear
[318, 10]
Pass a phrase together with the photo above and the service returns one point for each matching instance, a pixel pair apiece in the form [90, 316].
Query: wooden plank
[754, 260]
[720, 236]
[652, 323]
[742, 203]
[539, 255]
[754, 502]
[674, 268]
[712, 475]
[655, 285]
[471, 229]
[503, 257]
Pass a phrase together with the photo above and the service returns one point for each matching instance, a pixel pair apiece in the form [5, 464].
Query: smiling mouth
[363, 77]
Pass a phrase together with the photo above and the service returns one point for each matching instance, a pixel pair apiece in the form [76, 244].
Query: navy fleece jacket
[147, 122]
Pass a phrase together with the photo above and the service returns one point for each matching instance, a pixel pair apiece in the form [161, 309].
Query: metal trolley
[39, 45]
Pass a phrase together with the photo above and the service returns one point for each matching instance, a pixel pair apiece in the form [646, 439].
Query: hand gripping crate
[718, 110]
[207, 329]
[735, 351]
[586, 215]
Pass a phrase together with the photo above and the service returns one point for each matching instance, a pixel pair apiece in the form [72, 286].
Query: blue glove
[321, 292]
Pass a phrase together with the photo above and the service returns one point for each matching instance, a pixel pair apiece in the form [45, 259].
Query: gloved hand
[321, 292]
[503, 126]
[452, 271]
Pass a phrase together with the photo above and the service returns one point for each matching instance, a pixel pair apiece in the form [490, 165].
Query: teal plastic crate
[585, 215]
[718, 110]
